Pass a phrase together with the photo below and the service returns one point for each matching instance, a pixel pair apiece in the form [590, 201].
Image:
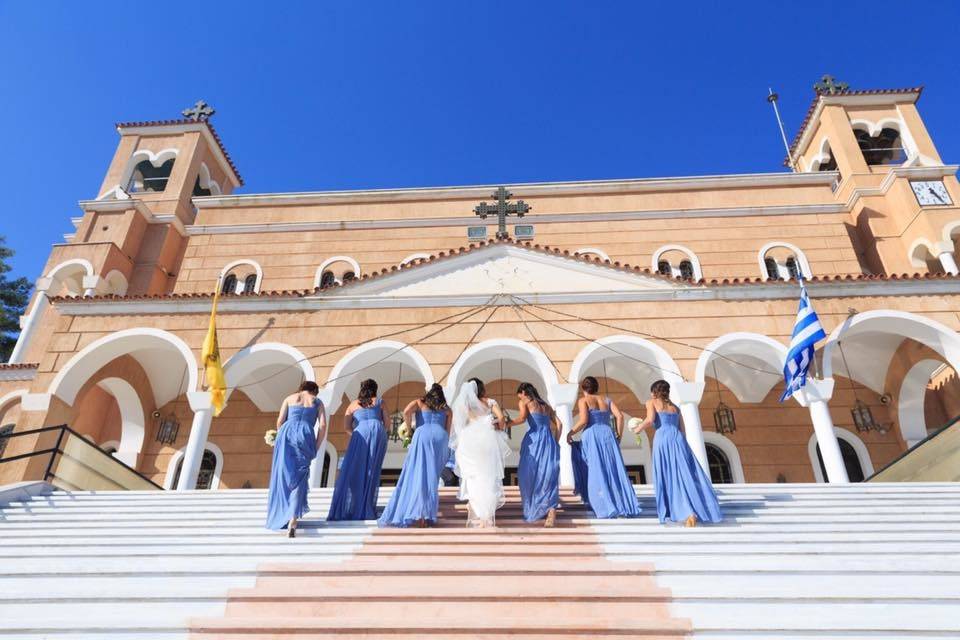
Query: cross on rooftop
[501, 208]
[828, 85]
[200, 111]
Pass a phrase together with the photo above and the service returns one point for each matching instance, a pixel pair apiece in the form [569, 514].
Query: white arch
[797, 253]
[83, 263]
[694, 260]
[910, 400]
[329, 261]
[177, 457]
[916, 256]
[372, 360]
[822, 156]
[729, 449]
[150, 347]
[132, 419]
[863, 455]
[11, 398]
[275, 368]
[582, 251]
[237, 263]
[496, 350]
[206, 181]
[949, 230]
[116, 282]
[755, 350]
[874, 128]
[410, 258]
[884, 330]
[627, 356]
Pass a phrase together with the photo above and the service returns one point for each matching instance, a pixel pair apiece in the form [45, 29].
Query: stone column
[29, 321]
[199, 430]
[687, 396]
[814, 395]
[563, 397]
[949, 263]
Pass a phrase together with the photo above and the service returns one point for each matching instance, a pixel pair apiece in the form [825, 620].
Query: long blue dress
[417, 494]
[355, 494]
[680, 484]
[579, 472]
[294, 450]
[609, 490]
[539, 468]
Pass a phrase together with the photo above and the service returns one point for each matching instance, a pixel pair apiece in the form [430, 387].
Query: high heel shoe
[292, 532]
[691, 521]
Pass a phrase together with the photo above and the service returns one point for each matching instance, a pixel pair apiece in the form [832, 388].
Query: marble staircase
[790, 561]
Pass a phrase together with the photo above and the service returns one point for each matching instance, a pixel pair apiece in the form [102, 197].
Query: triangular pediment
[508, 269]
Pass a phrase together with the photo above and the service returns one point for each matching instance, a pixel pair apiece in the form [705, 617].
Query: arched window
[146, 177]
[783, 261]
[720, 470]
[348, 276]
[663, 268]
[229, 284]
[341, 269]
[200, 191]
[250, 283]
[792, 268]
[884, 148]
[850, 460]
[686, 270]
[773, 272]
[327, 279]
[208, 466]
[5, 432]
[677, 261]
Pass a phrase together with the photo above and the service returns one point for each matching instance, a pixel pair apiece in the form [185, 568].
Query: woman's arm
[618, 418]
[555, 425]
[322, 421]
[348, 418]
[449, 419]
[498, 413]
[409, 410]
[581, 420]
[521, 418]
[282, 416]
[383, 417]
[647, 419]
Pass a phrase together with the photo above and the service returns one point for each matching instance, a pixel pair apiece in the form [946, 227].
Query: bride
[481, 449]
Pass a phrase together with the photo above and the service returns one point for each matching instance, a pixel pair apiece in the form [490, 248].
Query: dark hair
[368, 391]
[481, 390]
[660, 390]
[531, 392]
[434, 398]
[590, 385]
[310, 387]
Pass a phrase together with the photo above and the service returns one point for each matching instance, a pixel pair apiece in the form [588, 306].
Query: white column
[199, 430]
[30, 321]
[563, 397]
[90, 285]
[316, 467]
[687, 396]
[814, 395]
[949, 263]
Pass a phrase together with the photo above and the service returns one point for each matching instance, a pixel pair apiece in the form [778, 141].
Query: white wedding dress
[480, 454]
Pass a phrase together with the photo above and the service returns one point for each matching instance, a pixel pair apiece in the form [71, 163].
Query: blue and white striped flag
[806, 332]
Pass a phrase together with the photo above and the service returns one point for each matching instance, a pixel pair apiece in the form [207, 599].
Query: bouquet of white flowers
[406, 434]
[270, 437]
[633, 423]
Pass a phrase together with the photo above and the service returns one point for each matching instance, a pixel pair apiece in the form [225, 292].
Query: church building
[689, 279]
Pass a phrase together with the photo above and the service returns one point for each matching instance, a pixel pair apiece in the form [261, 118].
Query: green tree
[14, 296]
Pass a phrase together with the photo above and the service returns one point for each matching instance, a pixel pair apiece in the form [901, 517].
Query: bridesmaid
[682, 489]
[293, 451]
[417, 496]
[609, 491]
[355, 494]
[539, 468]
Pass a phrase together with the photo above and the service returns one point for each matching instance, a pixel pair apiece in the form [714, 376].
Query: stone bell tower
[901, 195]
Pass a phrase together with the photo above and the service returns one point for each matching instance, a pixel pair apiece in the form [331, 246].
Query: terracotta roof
[11, 366]
[848, 92]
[183, 121]
[446, 255]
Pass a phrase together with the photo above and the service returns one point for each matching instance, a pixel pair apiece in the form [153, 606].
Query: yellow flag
[212, 367]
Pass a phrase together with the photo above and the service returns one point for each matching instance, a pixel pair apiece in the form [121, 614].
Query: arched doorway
[850, 460]
[211, 465]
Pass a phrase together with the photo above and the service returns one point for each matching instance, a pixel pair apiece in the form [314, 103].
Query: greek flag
[806, 332]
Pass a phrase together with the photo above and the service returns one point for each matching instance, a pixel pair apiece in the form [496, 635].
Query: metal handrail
[903, 455]
[57, 449]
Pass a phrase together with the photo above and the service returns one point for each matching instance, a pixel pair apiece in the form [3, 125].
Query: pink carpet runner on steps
[515, 581]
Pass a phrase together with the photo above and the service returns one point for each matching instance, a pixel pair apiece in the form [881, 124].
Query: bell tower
[901, 195]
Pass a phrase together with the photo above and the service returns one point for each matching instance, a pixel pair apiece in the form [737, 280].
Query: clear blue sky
[314, 96]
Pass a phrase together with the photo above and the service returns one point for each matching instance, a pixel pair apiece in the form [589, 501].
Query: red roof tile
[10, 366]
[182, 121]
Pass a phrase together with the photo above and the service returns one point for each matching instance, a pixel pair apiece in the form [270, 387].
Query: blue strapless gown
[417, 494]
[539, 468]
[609, 491]
[355, 494]
[294, 450]
[680, 484]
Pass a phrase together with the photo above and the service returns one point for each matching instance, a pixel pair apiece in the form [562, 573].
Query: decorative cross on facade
[501, 208]
[200, 111]
[829, 86]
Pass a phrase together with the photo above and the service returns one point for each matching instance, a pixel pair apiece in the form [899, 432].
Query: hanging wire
[469, 342]
[515, 307]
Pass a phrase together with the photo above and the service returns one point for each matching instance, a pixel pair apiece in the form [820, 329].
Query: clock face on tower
[930, 192]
